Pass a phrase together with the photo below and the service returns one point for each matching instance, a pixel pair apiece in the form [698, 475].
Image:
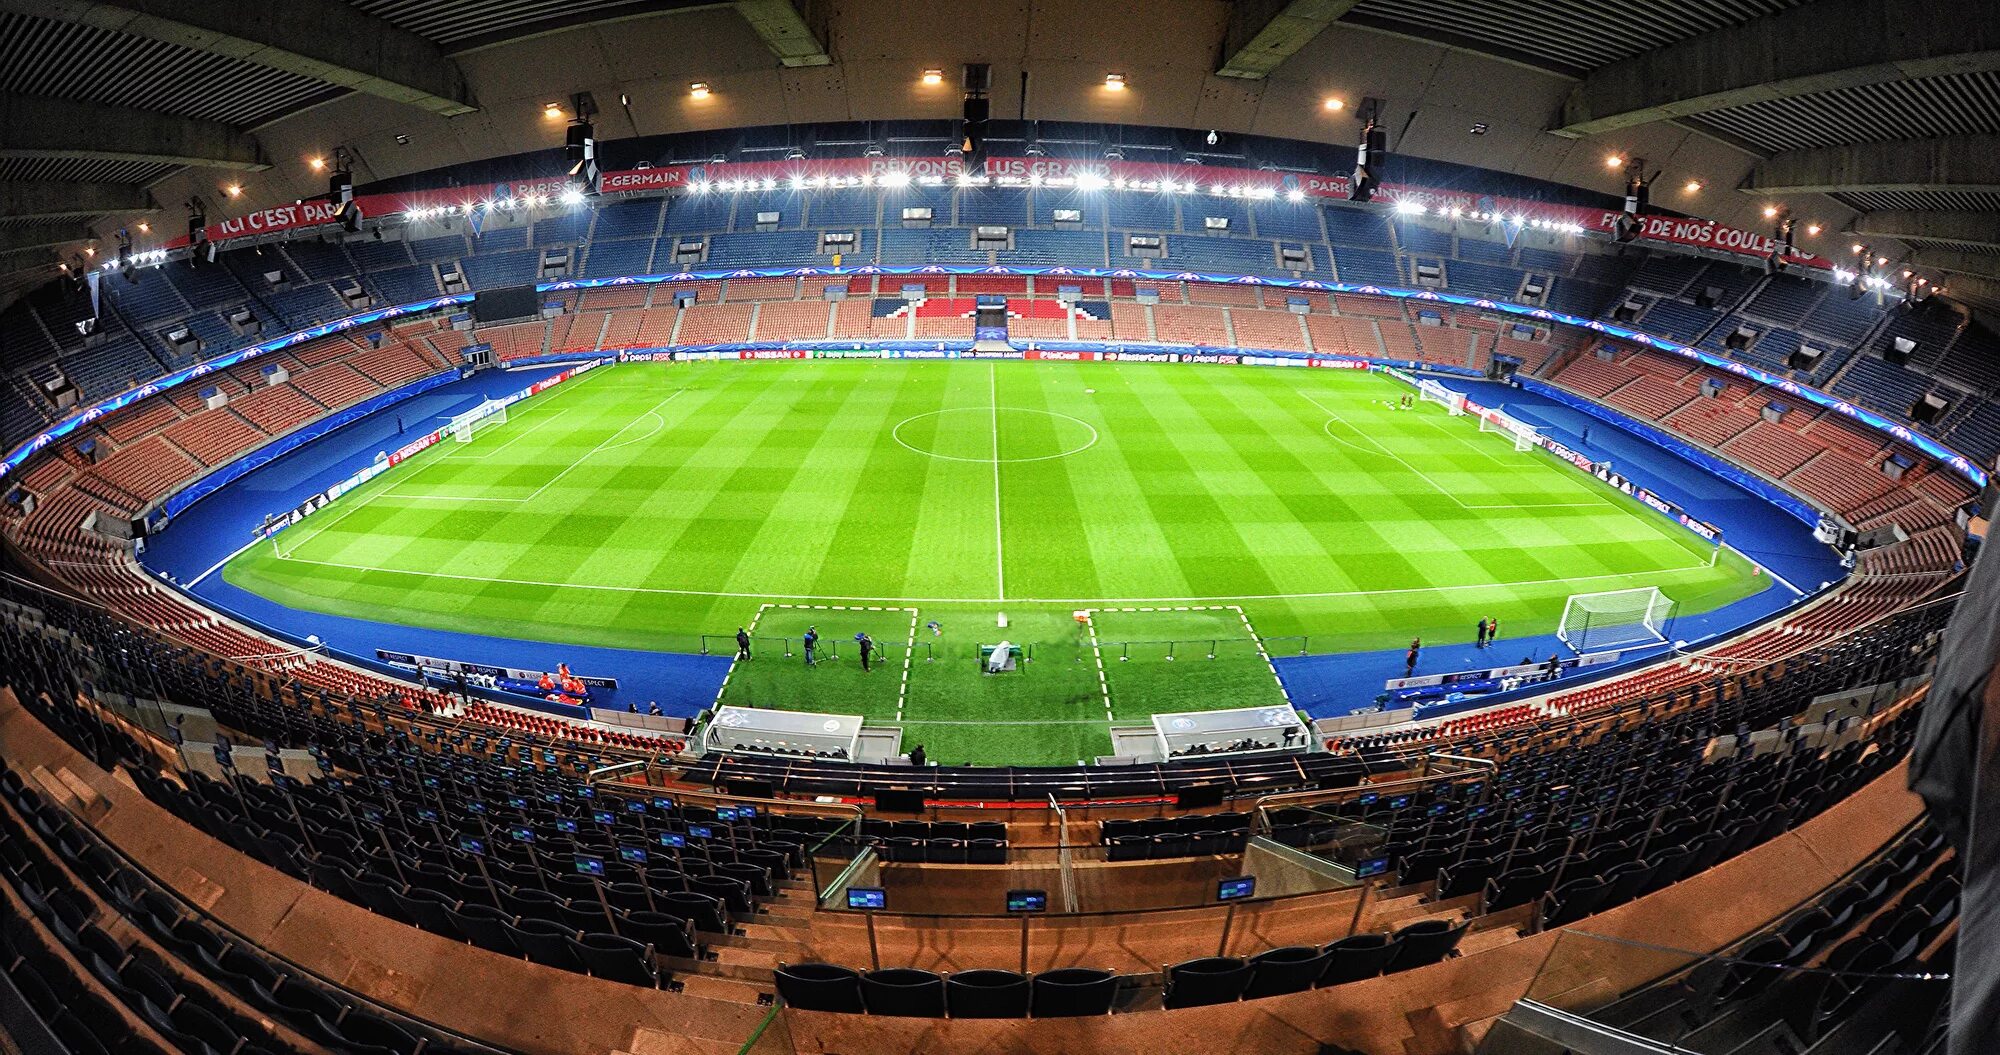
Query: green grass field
[1192, 510]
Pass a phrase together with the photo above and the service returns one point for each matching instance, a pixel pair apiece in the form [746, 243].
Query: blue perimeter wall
[205, 533]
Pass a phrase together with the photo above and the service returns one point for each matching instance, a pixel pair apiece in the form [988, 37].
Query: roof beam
[323, 39]
[784, 30]
[1969, 277]
[1974, 264]
[55, 198]
[1962, 228]
[1819, 47]
[1264, 33]
[35, 127]
[1950, 163]
[41, 236]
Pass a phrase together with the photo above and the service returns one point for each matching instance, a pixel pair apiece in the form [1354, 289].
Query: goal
[1526, 437]
[491, 412]
[1593, 622]
[1432, 392]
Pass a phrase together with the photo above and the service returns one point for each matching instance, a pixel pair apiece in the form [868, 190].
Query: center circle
[989, 434]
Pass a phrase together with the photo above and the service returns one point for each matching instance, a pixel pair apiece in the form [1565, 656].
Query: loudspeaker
[1739, 339]
[1626, 312]
[1929, 409]
[1899, 350]
[1708, 297]
[1806, 358]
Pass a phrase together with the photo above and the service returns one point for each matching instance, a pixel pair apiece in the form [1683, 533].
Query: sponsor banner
[1047, 355]
[301, 215]
[773, 353]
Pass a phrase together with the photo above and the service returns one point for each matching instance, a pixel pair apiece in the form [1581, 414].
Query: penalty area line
[1097, 654]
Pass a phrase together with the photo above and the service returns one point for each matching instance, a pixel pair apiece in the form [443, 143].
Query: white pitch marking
[653, 412]
[999, 545]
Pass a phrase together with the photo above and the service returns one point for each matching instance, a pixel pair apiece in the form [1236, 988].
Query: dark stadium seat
[1070, 992]
[820, 987]
[1357, 956]
[620, 959]
[1425, 942]
[1210, 980]
[1288, 969]
[903, 992]
[1574, 900]
[986, 993]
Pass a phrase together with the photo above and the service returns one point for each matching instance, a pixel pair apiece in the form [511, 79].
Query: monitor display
[590, 866]
[505, 303]
[701, 831]
[476, 847]
[673, 840]
[1373, 866]
[1235, 888]
[867, 897]
[1027, 901]
[634, 854]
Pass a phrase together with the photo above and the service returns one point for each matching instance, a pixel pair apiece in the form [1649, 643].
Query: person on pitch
[867, 649]
[811, 641]
[1410, 657]
[1482, 632]
[742, 643]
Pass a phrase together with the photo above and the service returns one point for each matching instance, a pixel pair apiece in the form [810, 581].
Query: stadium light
[1295, 195]
[552, 111]
[933, 78]
[1334, 104]
[1410, 208]
[1091, 181]
[317, 163]
[145, 228]
[1693, 186]
[572, 196]
[1614, 161]
[1114, 82]
[1812, 229]
[234, 190]
[896, 178]
[699, 90]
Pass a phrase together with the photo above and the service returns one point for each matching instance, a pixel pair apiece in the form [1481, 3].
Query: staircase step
[711, 988]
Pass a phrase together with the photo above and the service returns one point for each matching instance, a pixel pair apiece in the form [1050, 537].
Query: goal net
[1593, 622]
[1525, 436]
[491, 412]
[1432, 392]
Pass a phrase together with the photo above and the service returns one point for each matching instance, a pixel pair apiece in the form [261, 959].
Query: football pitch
[1148, 532]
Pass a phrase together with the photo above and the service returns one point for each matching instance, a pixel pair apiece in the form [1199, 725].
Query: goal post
[1432, 392]
[1525, 436]
[1593, 622]
[491, 412]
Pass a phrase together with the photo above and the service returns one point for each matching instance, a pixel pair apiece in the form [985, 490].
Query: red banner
[1190, 180]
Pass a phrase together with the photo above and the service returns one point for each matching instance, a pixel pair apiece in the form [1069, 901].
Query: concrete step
[712, 988]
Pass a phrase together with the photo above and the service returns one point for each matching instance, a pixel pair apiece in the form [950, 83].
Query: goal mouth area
[464, 425]
[1615, 619]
